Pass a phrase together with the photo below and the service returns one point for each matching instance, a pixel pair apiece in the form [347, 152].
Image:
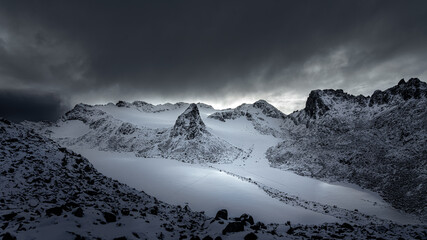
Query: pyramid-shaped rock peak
[189, 124]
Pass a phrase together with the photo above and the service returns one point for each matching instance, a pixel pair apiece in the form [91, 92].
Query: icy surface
[204, 189]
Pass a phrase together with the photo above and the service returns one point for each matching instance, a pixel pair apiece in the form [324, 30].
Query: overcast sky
[54, 54]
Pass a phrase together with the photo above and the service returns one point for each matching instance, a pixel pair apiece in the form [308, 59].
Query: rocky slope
[377, 142]
[49, 192]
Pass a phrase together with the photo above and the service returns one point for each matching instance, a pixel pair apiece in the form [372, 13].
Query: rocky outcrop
[321, 101]
[376, 142]
[189, 141]
[413, 89]
[189, 124]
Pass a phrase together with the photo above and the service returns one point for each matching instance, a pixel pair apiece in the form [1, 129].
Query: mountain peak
[321, 101]
[412, 89]
[189, 124]
[268, 109]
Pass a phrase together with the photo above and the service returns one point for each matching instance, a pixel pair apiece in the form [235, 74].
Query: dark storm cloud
[23, 105]
[209, 48]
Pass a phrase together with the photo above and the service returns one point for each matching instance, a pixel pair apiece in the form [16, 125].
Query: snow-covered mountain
[190, 141]
[50, 192]
[377, 142]
[187, 140]
[265, 117]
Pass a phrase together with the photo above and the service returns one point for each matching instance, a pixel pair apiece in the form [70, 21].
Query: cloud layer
[219, 52]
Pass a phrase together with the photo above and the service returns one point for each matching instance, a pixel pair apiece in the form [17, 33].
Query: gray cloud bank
[219, 52]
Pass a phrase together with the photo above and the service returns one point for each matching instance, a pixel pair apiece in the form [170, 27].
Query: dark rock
[258, 226]
[233, 227]
[290, 231]
[78, 212]
[69, 205]
[125, 211]
[78, 237]
[251, 236]
[218, 238]
[189, 124]
[122, 104]
[54, 211]
[120, 238]
[154, 210]
[9, 216]
[314, 105]
[208, 238]
[414, 88]
[246, 218]
[91, 193]
[8, 236]
[315, 237]
[126, 129]
[222, 214]
[109, 217]
[195, 238]
[347, 226]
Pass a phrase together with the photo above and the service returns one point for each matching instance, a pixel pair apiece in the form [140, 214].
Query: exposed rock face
[413, 89]
[189, 141]
[376, 142]
[189, 124]
[321, 101]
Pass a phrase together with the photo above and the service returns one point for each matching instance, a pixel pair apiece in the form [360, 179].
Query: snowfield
[208, 189]
[202, 188]
[342, 165]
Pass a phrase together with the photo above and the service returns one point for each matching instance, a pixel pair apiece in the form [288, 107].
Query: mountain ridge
[372, 141]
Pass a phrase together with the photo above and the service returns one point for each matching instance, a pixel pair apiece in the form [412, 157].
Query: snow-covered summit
[265, 118]
[249, 110]
[268, 109]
